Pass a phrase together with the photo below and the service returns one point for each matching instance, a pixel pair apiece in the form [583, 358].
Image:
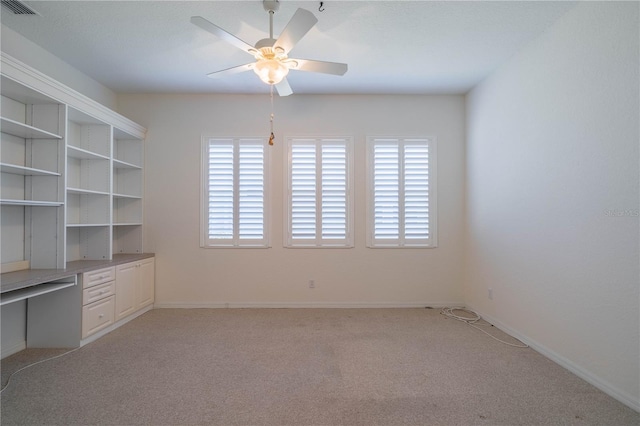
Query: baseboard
[585, 375]
[13, 349]
[294, 305]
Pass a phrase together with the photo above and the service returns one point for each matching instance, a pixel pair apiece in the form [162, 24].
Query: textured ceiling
[391, 47]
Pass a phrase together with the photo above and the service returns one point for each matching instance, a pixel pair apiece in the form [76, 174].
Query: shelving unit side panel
[95, 243]
[127, 210]
[44, 249]
[128, 150]
[12, 237]
[96, 138]
[13, 109]
[95, 175]
[12, 149]
[127, 239]
[73, 245]
[13, 187]
[45, 154]
[128, 182]
[47, 117]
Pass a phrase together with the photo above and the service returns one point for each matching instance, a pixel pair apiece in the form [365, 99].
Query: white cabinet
[134, 286]
[98, 300]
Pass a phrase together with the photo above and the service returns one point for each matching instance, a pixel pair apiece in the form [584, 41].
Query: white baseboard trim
[13, 349]
[295, 305]
[585, 375]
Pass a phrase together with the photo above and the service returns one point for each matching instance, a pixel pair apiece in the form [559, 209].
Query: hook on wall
[321, 8]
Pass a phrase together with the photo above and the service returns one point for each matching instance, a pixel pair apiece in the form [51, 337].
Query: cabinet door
[126, 277]
[146, 279]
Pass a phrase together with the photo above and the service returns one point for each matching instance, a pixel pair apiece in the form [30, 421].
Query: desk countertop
[30, 277]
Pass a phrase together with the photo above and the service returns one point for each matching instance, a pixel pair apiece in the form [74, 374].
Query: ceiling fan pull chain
[272, 137]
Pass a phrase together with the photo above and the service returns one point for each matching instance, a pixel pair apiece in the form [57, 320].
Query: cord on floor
[32, 364]
[471, 318]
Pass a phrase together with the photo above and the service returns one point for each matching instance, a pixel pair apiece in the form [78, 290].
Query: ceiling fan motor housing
[271, 5]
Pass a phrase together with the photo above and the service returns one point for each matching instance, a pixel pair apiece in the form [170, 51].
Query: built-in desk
[54, 307]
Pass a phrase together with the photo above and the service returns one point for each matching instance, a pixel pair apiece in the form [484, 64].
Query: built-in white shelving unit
[72, 174]
[32, 129]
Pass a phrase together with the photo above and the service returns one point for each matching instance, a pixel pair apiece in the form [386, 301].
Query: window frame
[235, 241]
[402, 242]
[318, 241]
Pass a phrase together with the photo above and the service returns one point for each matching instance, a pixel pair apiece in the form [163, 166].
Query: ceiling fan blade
[231, 71]
[334, 68]
[300, 24]
[219, 32]
[283, 88]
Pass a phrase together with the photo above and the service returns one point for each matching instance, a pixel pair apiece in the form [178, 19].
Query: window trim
[348, 242]
[234, 242]
[400, 243]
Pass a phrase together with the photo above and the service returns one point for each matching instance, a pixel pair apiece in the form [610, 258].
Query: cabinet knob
[101, 316]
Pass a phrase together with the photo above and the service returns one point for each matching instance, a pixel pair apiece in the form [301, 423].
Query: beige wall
[552, 195]
[188, 275]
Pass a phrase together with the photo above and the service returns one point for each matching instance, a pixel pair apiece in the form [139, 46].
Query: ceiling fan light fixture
[270, 71]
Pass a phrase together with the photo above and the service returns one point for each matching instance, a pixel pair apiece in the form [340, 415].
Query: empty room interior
[305, 212]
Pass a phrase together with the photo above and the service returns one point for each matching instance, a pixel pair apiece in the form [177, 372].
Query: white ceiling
[391, 47]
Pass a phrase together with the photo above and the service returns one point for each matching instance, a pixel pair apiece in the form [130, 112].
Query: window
[234, 192]
[319, 193]
[401, 192]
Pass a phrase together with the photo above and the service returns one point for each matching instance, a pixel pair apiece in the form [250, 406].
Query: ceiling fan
[272, 63]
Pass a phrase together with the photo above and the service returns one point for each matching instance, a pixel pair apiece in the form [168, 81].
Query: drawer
[97, 315]
[97, 292]
[98, 276]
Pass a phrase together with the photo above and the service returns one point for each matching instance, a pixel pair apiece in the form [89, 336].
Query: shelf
[128, 224]
[126, 196]
[118, 164]
[31, 203]
[25, 131]
[86, 225]
[85, 191]
[26, 293]
[83, 154]
[25, 171]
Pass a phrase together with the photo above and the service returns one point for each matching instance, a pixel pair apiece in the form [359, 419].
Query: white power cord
[471, 318]
[32, 364]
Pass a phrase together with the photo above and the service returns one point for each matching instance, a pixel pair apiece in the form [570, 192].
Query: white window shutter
[251, 192]
[303, 191]
[236, 176]
[220, 193]
[319, 186]
[386, 191]
[401, 180]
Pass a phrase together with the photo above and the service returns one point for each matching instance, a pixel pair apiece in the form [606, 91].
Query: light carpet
[301, 367]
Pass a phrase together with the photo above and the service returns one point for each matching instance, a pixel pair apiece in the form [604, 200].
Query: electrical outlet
[490, 293]
[312, 284]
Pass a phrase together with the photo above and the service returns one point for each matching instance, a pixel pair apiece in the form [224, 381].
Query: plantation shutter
[319, 192]
[402, 192]
[236, 193]
[221, 188]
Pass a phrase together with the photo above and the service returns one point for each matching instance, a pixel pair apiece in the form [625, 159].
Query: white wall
[35, 56]
[552, 195]
[188, 275]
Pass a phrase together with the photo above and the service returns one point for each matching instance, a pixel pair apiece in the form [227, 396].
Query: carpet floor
[300, 367]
